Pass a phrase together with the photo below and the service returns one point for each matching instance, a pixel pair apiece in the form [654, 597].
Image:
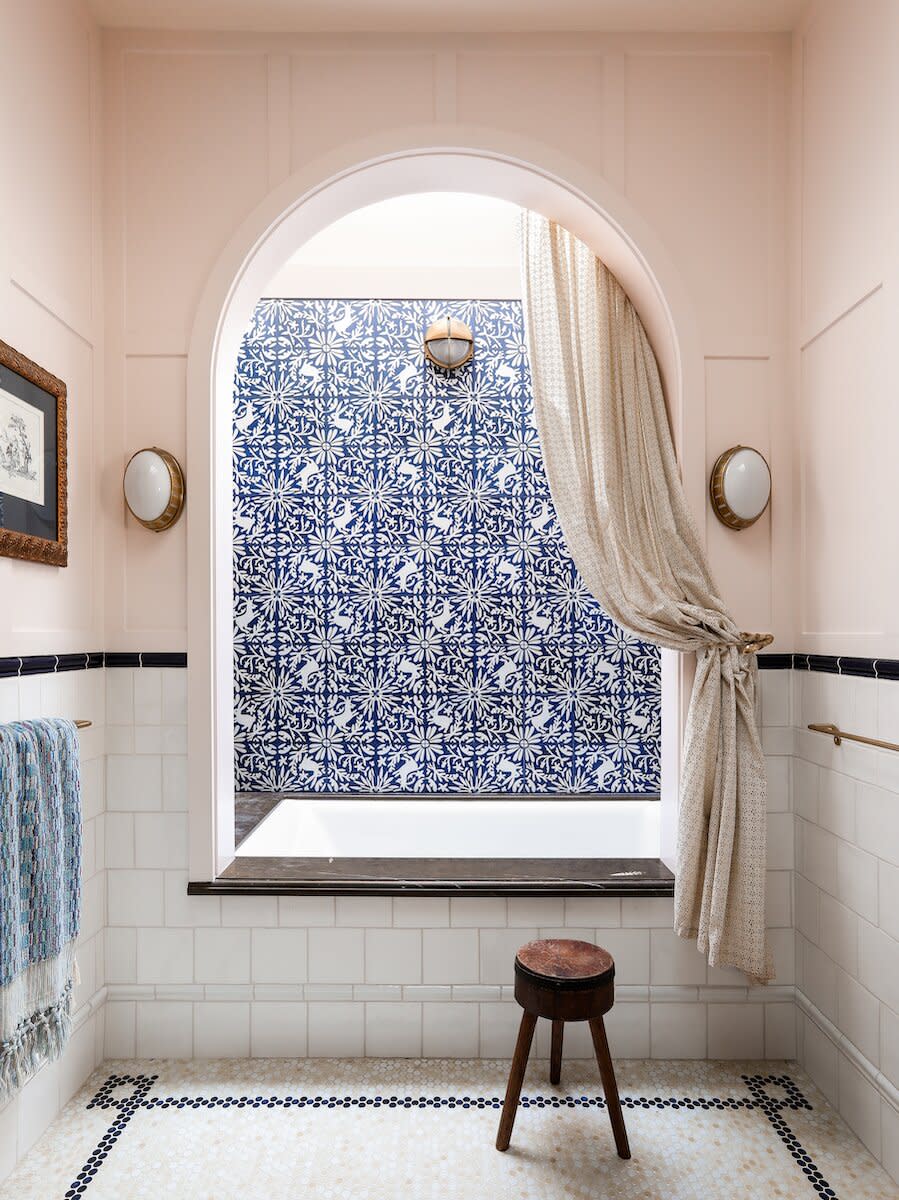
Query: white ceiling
[457, 16]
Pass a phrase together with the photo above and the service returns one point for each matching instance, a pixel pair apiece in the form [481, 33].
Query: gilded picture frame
[33, 462]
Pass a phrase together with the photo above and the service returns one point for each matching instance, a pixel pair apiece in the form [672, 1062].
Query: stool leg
[516, 1078]
[555, 1056]
[610, 1087]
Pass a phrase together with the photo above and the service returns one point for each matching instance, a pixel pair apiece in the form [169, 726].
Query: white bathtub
[414, 827]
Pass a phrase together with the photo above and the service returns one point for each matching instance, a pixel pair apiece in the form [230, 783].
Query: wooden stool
[563, 981]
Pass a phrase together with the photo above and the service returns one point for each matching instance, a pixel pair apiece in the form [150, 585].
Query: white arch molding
[419, 159]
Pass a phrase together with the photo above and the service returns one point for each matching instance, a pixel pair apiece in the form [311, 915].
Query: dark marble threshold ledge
[247, 876]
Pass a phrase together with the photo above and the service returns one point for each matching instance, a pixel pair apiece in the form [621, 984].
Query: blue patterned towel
[40, 892]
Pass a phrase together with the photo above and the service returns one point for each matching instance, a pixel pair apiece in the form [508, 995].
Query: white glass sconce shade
[740, 487]
[449, 343]
[154, 488]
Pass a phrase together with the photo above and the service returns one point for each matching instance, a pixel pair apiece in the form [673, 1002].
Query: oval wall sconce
[740, 487]
[449, 344]
[154, 488]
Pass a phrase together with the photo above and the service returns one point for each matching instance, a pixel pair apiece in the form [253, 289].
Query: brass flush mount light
[740, 487]
[449, 344]
[154, 488]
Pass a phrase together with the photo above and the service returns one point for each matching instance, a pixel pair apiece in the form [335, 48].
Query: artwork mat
[27, 546]
[24, 487]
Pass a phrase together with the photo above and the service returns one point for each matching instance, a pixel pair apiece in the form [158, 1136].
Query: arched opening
[293, 215]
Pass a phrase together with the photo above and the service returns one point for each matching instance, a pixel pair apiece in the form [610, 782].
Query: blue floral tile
[407, 617]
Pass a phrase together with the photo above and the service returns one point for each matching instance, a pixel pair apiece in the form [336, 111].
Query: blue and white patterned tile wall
[407, 618]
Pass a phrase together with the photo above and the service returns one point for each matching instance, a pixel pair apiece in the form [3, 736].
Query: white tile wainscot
[397, 976]
[171, 975]
[846, 898]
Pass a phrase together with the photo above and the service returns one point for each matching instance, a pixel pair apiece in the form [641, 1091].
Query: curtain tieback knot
[751, 643]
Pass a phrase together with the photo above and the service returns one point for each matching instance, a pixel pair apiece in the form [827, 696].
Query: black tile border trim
[759, 1099]
[145, 658]
[117, 659]
[775, 662]
[52, 664]
[829, 664]
[48, 664]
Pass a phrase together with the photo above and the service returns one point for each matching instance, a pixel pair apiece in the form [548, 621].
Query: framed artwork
[33, 509]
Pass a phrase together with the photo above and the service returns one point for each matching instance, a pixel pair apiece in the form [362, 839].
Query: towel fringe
[37, 1039]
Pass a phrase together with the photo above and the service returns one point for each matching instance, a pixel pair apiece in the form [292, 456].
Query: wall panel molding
[847, 425]
[672, 125]
[841, 316]
[63, 284]
[84, 331]
[842, 157]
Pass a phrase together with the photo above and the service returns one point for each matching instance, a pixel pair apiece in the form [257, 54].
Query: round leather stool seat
[564, 980]
[566, 963]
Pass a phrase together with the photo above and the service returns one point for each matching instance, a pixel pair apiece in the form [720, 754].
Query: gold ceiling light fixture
[449, 344]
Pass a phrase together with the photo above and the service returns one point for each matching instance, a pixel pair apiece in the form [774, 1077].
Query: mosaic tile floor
[385, 1128]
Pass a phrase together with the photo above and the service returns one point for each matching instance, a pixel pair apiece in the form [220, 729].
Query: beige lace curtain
[618, 495]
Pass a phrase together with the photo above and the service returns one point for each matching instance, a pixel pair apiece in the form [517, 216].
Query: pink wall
[200, 127]
[845, 316]
[51, 295]
[692, 131]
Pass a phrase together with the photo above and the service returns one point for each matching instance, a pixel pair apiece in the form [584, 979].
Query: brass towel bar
[838, 735]
[83, 724]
